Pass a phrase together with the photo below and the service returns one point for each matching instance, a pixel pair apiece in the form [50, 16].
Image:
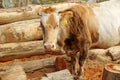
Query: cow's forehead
[50, 18]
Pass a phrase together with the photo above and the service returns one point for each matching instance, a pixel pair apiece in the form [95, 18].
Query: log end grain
[60, 63]
[111, 72]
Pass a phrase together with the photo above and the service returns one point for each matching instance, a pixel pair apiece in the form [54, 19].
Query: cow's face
[53, 32]
[50, 27]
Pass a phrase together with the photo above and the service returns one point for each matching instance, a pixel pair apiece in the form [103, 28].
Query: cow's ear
[66, 14]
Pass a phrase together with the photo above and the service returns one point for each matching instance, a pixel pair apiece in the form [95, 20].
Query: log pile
[21, 43]
[21, 38]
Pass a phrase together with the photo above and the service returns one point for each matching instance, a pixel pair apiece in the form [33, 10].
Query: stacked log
[18, 14]
[27, 30]
[21, 37]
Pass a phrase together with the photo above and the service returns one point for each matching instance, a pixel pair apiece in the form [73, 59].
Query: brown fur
[49, 10]
[81, 32]
[77, 34]
[82, 28]
[50, 21]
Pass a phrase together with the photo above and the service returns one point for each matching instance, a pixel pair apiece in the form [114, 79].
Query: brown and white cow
[79, 27]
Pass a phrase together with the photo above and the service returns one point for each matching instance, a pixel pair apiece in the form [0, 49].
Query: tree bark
[13, 72]
[12, 51]
[20, 31]
[59, 75]
[111, 72]
[30, 66]
[18, 14]
[114, 53]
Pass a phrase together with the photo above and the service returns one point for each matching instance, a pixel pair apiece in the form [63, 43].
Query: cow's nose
[49, 46]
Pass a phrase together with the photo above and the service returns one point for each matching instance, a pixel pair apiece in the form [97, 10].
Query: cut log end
[111, 72]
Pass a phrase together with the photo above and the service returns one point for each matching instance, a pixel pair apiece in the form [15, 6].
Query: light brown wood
[30, 66]
[114, 53]
[12, 51]
[13, 72]
[27, 30]
[18, 14]
[59, 75]
[111, 72]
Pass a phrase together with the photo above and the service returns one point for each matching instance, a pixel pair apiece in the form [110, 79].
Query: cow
[76, 28]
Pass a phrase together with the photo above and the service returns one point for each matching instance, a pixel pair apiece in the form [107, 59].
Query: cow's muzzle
[49, 46]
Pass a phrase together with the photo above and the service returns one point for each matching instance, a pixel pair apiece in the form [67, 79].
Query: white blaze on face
[50, 27]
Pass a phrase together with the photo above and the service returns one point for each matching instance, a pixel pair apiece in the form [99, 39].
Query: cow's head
[53, 34]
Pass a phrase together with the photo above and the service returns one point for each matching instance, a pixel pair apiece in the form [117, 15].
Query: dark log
[111, 72]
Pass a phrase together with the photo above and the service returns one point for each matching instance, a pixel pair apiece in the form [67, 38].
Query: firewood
[13, 72]
[111, 72]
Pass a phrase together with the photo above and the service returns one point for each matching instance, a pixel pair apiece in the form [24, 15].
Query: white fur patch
[108, 15]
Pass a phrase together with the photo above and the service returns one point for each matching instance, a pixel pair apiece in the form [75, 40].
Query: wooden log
[59, 75]
[30, 66]
[13, 72]
[99, 54]
[114, 53]
[14, 3]
[12, 51]
[105, 55]
[18, 14]
[111, 72]
[20, 31]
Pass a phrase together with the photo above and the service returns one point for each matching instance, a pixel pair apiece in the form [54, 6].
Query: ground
[93, 68]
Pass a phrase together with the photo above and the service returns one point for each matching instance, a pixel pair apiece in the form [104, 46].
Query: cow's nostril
[52, 46]
[48, 46]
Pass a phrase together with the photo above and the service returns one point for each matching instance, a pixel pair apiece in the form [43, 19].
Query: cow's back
[108, 17]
